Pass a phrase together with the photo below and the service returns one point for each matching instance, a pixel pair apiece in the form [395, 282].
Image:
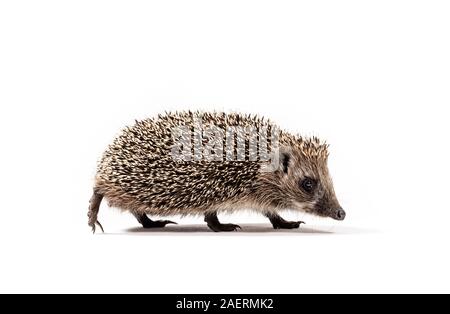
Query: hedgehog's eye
[308, 185]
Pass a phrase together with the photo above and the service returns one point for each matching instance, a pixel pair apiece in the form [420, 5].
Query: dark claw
[100, 225]
[157, 224]
[233, 227]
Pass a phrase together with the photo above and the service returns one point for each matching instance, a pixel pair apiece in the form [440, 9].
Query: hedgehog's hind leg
[279, 223]
[215, 225]
[94, 207]
[148, 223]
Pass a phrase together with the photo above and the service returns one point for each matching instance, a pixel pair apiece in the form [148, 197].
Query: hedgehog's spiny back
[138, 170]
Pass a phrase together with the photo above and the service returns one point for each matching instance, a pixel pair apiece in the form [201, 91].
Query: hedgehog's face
[307, 184]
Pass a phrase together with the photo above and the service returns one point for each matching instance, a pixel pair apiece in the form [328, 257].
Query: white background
[370, 77]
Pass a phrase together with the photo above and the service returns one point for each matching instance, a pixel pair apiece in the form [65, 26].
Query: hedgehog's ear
[285, 159]
[280, 160]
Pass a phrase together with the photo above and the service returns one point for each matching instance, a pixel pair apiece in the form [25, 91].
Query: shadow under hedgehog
[205, 163]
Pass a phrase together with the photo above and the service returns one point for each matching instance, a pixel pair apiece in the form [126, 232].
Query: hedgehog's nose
[340, 214]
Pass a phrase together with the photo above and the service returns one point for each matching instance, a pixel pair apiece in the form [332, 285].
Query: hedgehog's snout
[339, 214]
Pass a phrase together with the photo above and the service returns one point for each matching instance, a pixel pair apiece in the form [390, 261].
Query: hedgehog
[207, 163]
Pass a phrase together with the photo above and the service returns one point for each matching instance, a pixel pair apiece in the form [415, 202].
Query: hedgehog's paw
[279, 223]
[214, 224]
[147, 223]
[157, 224]
[224, 227]
[287, 224]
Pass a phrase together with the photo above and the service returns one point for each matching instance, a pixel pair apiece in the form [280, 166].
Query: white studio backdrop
[370, 77]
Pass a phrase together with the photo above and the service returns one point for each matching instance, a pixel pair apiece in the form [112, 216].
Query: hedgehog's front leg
[215, 225]
[280, 223]
[148, 223]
